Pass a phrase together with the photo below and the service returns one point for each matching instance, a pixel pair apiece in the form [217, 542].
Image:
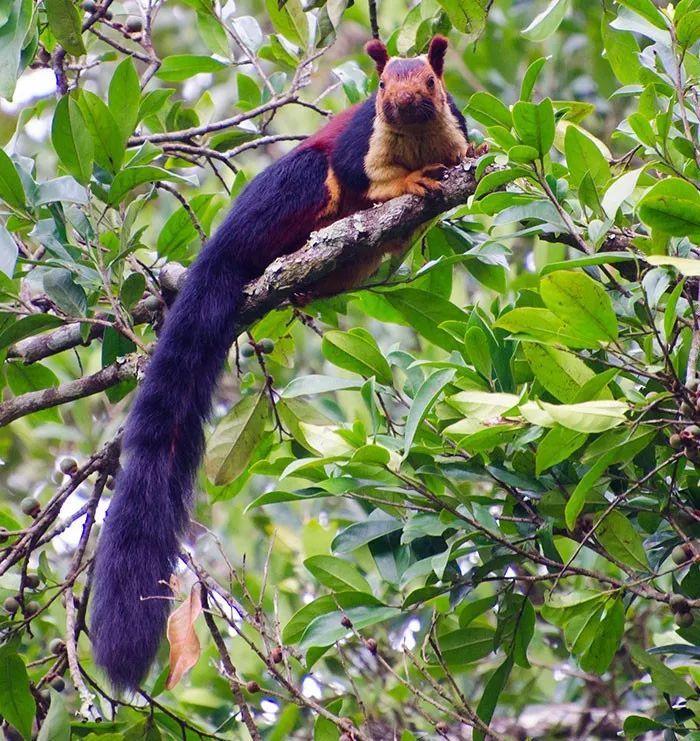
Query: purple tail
[163, 442]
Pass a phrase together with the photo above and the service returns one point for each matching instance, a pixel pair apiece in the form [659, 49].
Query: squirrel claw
[299, 299]
[475, 151]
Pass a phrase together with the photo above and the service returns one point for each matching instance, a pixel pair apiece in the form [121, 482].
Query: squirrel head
[411, 91]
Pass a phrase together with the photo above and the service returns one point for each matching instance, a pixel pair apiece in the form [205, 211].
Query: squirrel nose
[405, 99]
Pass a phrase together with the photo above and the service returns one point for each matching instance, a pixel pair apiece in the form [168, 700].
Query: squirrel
[398, 141]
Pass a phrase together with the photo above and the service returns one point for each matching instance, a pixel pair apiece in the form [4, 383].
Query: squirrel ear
[436, 54]
[376, 49]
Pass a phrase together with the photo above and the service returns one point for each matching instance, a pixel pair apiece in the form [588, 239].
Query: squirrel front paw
[426, 180]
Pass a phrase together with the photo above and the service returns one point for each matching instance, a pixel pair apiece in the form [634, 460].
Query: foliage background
[462, 501]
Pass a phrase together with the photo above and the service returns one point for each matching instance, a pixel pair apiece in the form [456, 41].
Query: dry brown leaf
[184, 643]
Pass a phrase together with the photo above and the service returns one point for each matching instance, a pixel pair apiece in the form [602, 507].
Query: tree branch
[353, 238]
[34, 401]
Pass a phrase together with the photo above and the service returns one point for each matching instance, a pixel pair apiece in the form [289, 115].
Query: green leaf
[107, 138]
[489, 110]
[424, 399]
[556, 446]
[544, 326]
[301, 619]
[619, 538]
[317, 384]
[492, 691]
[288, 18]
[684, 265]
[425, 312]
[466, 645]
[28, 326]
[561, 373]
[647, 10]
[361, 533]
[588, 416]
[131, 177]
[71, 139]
[235, 438]
[615, 447]
[68, 295]
[23, 378]
[582, 156]
[125, 96]
[11, 188]
[12, 35]
[326, 629]
[581, 303]
[133, 289]
[621, 51]
[637, 725]
[179, 67]
[336, 574]
[356, 351]
[530, 78]
[619, 191]
[467, 16]
[606, 639]
[56, 725]
[547, 22]
[673, 207]
[663, 678]
[17, 704]
[688, 29]
[8, 252]
[534, 123]
[65, 24]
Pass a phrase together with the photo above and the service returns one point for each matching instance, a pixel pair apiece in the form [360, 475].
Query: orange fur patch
[334, 196]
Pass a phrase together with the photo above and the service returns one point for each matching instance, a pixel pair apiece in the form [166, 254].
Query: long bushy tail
[163, 443]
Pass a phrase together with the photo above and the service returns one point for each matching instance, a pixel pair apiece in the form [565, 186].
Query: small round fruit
[32, 581]
[678, 603]
[68, 465]
[10, 605]
[3, 534]
[346, 622]
[57, 477]
[252, 687]
[247, 351]
[681, 553]
[30, 506]
[371, 645]
[266, 345]
[57, 646]
[88, 5]
[58, 684]
[684, 619]
[276, 655]
[675, 441]
[152, 303]
[134, 24]
[31, 608]
[692, 430]
[109, 15]
[686, 409]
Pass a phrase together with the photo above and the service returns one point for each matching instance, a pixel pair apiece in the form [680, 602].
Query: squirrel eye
[381, 84]
[431, 82]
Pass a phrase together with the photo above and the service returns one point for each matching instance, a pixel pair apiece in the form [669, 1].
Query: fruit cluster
[265, 346]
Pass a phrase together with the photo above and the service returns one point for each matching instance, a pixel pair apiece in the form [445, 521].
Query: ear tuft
[376, 49]
[436, 54]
